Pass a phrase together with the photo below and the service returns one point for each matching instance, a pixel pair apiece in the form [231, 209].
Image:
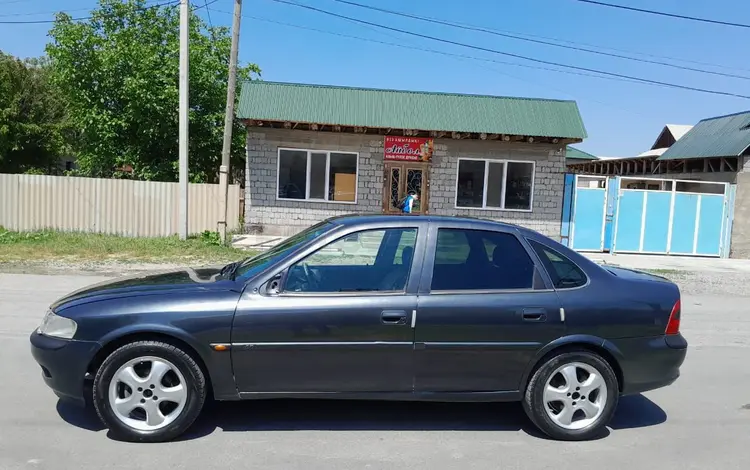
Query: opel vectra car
[370, 307]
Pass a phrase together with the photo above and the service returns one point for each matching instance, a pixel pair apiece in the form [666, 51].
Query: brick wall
[265, 214]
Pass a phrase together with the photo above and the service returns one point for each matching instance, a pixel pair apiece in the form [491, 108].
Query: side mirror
[273, 287]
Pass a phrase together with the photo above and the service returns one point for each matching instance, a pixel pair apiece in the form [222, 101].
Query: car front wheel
[149, 391]
[572, 396]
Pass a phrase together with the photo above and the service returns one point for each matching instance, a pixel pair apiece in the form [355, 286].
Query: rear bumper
[650, 363]
[63, 364]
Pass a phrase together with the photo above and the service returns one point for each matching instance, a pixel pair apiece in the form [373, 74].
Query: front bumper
[651, 363]
[64, 364]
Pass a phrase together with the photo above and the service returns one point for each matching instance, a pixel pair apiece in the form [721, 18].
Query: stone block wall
[549, 179]
[740, 237]
[265, 214]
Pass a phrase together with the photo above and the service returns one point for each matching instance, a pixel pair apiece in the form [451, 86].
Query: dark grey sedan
[370, 307]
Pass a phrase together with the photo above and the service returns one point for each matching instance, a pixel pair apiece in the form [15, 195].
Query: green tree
[32, 117]
[119, 71]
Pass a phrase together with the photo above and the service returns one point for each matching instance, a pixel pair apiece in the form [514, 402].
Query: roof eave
[438, 134]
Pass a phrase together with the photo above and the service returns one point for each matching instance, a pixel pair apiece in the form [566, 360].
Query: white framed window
[317, 175]
[495, 184]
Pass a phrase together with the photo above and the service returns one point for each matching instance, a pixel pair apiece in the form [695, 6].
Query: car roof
[362, 219]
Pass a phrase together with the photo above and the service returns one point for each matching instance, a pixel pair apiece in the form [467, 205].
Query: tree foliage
[119, 73]
[33, 123]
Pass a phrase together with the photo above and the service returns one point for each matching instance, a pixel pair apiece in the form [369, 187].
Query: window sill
[317, 201]
[493, 209]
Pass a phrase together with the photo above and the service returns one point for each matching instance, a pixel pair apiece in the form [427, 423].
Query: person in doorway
[408, 203]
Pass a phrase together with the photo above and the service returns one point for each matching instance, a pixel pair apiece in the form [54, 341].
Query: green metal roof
[573, 152]
[364, 107]
[724, 136]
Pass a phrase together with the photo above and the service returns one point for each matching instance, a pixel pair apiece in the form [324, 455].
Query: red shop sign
[409, 149]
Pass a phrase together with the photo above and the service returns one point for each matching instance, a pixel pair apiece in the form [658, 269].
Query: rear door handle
[534, 314]
[393, 317]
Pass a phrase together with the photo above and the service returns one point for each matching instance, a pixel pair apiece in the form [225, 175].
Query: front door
[341, 320]
[402, 178]
[486, 315]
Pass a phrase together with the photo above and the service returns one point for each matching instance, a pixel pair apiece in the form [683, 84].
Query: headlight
[57, 326]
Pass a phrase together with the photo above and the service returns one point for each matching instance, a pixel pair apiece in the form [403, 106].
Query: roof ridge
[419, 92]
[725, 116]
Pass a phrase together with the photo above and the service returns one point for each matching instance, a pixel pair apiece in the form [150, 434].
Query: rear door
[340, 322]
[484, 311]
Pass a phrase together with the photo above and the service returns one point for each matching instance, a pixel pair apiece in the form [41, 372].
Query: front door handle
[534, 314]
[393, 317]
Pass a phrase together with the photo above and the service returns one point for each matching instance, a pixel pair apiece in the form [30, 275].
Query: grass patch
[205, 248]
[662, 272]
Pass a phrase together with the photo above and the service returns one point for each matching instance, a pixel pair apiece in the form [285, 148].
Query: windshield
[252, 266]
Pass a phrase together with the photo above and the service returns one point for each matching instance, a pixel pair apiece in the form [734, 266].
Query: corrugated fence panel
[121, 207]
[8, 202]
[233, 208]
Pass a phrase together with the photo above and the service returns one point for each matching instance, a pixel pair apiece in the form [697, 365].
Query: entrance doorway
[402, 178]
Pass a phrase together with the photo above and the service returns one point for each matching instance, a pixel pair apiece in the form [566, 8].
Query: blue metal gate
[589, 203]
[678, 217]
[646, 215]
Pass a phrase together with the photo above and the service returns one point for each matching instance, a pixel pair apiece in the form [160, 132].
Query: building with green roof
[317, 151]
[574, 155]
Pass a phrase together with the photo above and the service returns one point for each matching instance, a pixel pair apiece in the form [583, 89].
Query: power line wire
[537, 41]
[645, 54]
[208, 14]
[7, 15]
[517, 56]
[83, 18]
[80, 18]
[598, 46]
[662, 13]
[462, 57]
[205, 5]
[423, 49]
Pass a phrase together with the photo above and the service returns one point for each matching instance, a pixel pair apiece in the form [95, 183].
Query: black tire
[195, 383]
[536, 408]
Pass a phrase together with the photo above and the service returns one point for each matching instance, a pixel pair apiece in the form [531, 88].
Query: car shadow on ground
[323, 415]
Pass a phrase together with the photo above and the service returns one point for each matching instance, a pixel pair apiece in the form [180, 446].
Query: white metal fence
[122, 207]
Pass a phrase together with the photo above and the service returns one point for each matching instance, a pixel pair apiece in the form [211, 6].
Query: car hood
[146, 284]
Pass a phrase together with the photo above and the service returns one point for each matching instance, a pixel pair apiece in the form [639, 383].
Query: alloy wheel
[148, 393]
[575, 396]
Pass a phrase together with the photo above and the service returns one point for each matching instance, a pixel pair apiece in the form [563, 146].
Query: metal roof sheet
[678, 130]
[449, 112]
[723, 136]
[578, 154]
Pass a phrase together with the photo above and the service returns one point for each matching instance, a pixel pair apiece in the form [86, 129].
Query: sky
[622, 118]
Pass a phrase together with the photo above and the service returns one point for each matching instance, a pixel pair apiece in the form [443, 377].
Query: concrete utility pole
[228, 121]
[184, 117]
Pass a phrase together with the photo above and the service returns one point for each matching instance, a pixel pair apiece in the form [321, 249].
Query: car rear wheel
[149, 391]
[572, 396]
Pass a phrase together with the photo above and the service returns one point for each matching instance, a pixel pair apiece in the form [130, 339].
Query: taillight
[673, 325]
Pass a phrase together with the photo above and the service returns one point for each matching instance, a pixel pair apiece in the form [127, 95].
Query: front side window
[564, 272]
[480, 260]
[372, 261]
[494, 184]
[317, 175]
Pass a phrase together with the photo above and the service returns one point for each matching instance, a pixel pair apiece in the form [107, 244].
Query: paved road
[702, 422]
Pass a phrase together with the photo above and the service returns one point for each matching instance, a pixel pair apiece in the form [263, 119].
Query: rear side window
[480, 260]
[564, 272]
